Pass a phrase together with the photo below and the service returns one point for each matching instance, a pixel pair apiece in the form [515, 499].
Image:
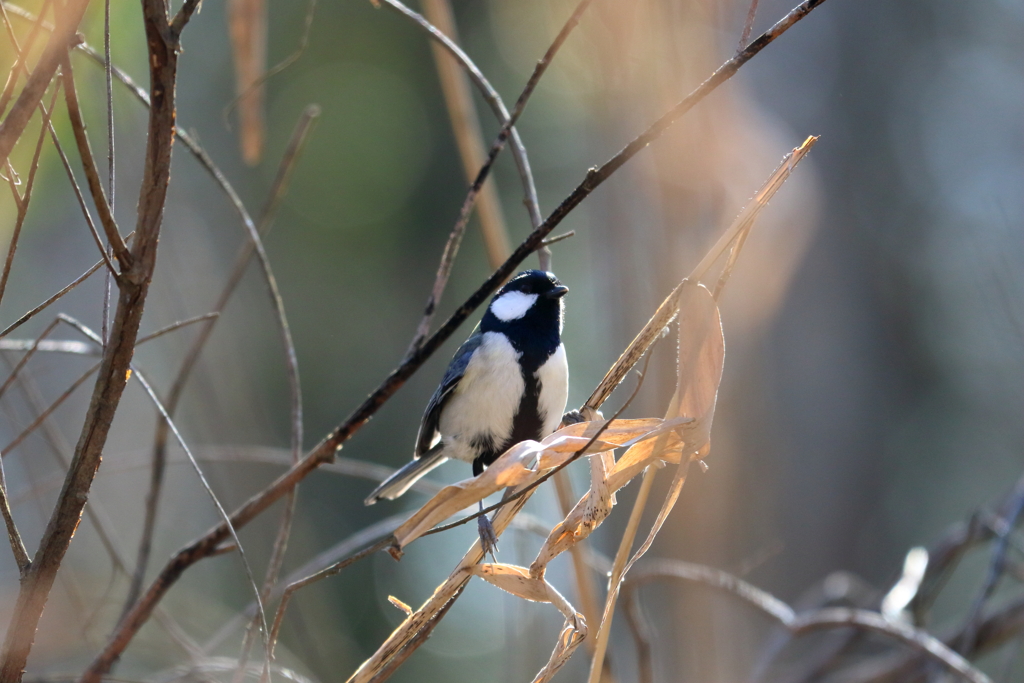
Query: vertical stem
[466, 127]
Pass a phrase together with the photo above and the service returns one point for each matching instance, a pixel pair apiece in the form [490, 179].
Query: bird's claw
[488, 538]
[573, 417]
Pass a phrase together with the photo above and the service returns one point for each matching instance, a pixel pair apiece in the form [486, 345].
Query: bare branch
[209, 490]
[17, 545]
[92, 174]
[94, 511]
[50, 409]
[278, 189]
[81, 201]
[335, 568]
[184, 14]
[38, 309]
[995, 570]
[458, 231]
[490, 96]
[458, 97]
[748, 25]
[19, 63]
[24, 200]
[178, 325]
[62, 38]
[324, 451]
[134, 285]
[872, 621]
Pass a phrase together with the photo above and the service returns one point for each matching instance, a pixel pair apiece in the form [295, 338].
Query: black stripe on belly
[527, 424]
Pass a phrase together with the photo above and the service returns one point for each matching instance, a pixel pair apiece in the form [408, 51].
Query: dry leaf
[520, 465]
[573, 633]
[514, 580]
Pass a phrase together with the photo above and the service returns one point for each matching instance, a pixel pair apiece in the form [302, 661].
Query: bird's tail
[399, 482]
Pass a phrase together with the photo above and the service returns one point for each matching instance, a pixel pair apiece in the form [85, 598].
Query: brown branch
[278, 189]
[748, 25]
[19, 63]
[491, 97]
[133, 288]
[335, 568]
[465, 123]
[92, 174]
[17, 545]
[81, 201]
[61, 39]
[94, 511]
[38, 309]
[24, 200]
[182, 17]
[209, 490]
[324, 451]
[451, 248]
[336, 553]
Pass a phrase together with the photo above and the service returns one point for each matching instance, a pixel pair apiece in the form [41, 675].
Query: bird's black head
[528, 309]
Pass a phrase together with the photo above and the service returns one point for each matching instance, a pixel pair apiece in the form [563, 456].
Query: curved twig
[324, 451]
[800, 624]
[451, 248]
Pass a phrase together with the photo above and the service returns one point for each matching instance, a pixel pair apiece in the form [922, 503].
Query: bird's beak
[557, 293]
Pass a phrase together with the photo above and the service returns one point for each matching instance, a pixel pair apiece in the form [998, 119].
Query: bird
[508, 382]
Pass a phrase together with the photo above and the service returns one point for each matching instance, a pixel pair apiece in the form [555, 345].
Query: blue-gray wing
[452, 376]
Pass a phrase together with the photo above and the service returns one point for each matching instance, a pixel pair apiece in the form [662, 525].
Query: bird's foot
[488, 538]
[573, 417]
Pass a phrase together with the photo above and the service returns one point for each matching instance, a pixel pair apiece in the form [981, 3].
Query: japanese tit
[507, 383]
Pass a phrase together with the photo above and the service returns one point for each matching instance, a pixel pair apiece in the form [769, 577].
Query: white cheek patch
[512, 305]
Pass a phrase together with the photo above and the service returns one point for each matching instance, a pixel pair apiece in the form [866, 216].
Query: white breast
[486, 399]
[554, 389]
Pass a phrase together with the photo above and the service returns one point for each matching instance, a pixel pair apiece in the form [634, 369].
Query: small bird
[507, 383]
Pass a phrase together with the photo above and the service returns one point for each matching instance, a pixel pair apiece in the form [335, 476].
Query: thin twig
[213, 496]
[458, 97]
[324, 451]
[28, 355]
[182, 17]
[277, 68]
[92, 173]
[335, 568]
[60, 293]
[105, 322]
[81, 203]
[748, 25]
[799, 624]
[455, 238]
[50, 409]
[338, 552]
[277, 192]
[19, 63]
[61, 39]
[94, 512]
[178, 325]
[490, 96]
[133, 288]
[995, 569]
[558, 238]
[838, 617]
[17, 545]
[26, 198]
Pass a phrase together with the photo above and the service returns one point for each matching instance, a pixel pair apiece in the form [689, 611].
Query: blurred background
[874, 377]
